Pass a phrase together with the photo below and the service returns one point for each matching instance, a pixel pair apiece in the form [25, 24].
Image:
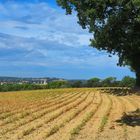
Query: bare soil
[69, 114]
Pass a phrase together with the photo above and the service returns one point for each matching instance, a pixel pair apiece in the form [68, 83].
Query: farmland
[67, 114]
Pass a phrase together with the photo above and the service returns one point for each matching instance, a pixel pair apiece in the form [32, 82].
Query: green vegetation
[115, 25]
[18, 87]
[57, 84]
[111, 82]
[76, 84]
[128, 81]
[93, 82]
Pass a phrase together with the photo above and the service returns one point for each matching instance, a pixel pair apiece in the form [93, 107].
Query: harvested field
[69, 114]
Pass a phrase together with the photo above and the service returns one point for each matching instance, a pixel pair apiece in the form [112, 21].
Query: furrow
[91, 129]
[37, 115]
[53, 127]
[76, 130]
[112, 128]
[64, 130]
[19, 116]
[9, 113]
[38, 124]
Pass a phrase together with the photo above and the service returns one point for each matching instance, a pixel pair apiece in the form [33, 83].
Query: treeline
[94, 82]
[28, 86]
[127, 81]
[18, 87]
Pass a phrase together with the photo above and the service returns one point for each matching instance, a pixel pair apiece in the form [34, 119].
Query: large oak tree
[115, 25]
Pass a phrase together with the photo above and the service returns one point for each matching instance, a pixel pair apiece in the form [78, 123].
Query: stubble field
[67, 114]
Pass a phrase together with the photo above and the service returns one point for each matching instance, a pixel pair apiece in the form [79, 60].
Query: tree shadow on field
[136, 91]
[130, 118]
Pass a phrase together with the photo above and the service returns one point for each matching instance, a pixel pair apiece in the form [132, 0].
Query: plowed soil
[67, 114]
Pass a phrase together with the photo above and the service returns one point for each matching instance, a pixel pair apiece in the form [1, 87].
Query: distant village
[40, 81]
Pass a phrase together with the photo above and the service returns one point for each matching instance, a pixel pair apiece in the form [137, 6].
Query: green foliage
[128, 82]
[115, 25]
[58, 84]
[77, 84]
[94, 82]
[110, 81]
[18, 87]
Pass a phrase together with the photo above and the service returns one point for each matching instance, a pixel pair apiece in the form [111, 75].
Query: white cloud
[38, 35]
[43, 22]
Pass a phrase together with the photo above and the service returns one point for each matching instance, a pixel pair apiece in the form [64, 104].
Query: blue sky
[37, 39]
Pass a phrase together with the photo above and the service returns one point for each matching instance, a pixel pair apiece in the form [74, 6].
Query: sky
[37, 39]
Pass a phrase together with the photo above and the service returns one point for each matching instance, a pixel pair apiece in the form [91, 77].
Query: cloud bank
[38, 40]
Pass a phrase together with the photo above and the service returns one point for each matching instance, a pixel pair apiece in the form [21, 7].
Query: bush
[18, 87]
[128, 81]
[57, 84]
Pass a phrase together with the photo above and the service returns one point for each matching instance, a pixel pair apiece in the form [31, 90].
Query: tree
[57, 84]
[109, 82]
[115, 25]
[94, 82]
[128, 81]
[77, 84]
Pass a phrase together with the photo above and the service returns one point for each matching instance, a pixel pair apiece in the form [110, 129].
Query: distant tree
[128, 81]
[18, 87]
[77, 84]
[109, 82]
[57, 84]
[115, 25]
[94, 82]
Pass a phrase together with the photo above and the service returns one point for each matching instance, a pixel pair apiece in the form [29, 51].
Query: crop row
[55, 115]
[35, 109]
[39, 115]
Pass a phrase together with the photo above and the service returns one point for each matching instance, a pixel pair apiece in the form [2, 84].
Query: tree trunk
[137, 86]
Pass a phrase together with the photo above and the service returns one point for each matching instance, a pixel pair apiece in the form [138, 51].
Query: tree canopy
[127, 81]
[94, 82]
[115, 25]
